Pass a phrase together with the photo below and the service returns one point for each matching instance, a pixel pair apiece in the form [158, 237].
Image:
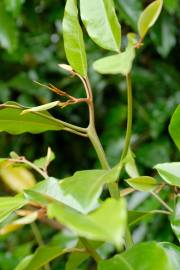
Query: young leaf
[80, 191]
[170, 172]
[143, 183]
[101, 23]
[18, 223]
[9, 204]
[96, 225]
[130, 165]
[149, 16]
[73, 39]
[144, 256]
[16, 178]
[44, 162]
[136, 216]
[41, 257]
[174, 127]
[175, 219]
[13, 122]
[41, 108]
[117, 64]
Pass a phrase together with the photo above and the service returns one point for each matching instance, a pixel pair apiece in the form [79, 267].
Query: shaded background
[32, 46]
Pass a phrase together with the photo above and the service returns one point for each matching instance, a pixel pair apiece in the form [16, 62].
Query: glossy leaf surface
[130, 165]
[144, 256]
[175, 219]
[116, 64]
[18, 223]
[173, 253]
[148, 17]
[142, 183]
[13, 122]
[170, 172]
[96, 225]
[41, 257]
[102, 25]
[174, 127]
[80, 191]
[73, 39]
[9, 204]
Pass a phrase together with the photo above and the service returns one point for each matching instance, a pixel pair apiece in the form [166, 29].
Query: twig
[162, 202]
[33, 166]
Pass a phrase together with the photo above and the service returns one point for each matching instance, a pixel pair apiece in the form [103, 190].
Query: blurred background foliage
[31, 46]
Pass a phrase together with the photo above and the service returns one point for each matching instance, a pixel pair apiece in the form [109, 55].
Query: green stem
[39, 240]
[128, 236]
[129, 118]
[90, 249]
[92, 134]
[30, 164]
[162, 202]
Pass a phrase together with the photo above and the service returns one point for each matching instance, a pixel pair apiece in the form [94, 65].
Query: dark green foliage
[31, 49]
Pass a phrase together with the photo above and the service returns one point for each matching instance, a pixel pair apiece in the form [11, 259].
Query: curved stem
[92, 134]
[90, 250]
[129, 118]
[161, 201]
[30, 164]
[128, 237]
[76, 132]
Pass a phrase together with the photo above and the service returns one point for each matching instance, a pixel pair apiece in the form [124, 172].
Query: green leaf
[44, 162]
[173, 253]
[80, 191]
[41, 108]
[143, 183]
[13, 122]
[130, 165]
[144, 256]
[8, 33]
[18, 223]
[118, 63]
[75, 259]
[24, 263]
[101, 23]
[170, 172]
[96, 225]
[136, 216]
[9, 204]
[149, 16]
[174, 127]
[73, 39]
[175, 219]
[16, 178]
[41, 257]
